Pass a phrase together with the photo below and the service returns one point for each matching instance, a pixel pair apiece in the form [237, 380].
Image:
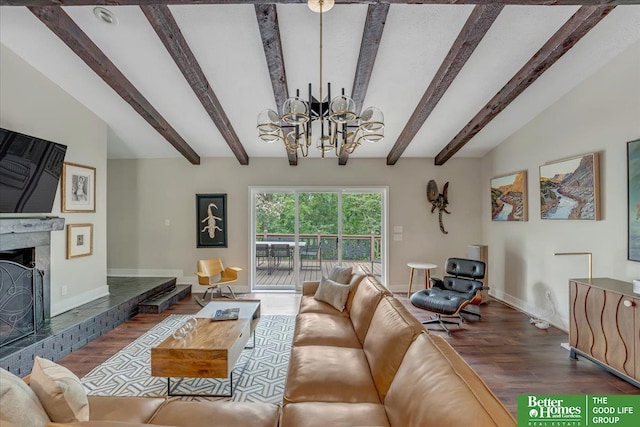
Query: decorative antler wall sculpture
[438, 201]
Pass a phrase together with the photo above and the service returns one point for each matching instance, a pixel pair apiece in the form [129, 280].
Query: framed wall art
[509, 197]
[633, 199]
[79, 240]
[78, 188]
[211, 220]
[570, 188]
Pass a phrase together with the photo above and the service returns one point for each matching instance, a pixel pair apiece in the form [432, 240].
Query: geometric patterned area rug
[259, 375]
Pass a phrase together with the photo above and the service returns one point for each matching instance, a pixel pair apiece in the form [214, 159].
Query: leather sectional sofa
[371, 364]
[374, 364]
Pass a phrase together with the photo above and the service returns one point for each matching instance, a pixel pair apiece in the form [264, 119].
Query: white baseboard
[78, 300]
[533, 311]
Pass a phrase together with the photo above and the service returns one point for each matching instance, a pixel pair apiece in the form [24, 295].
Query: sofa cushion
[356, 278]
[334, 414]
[329, 374]
[324, 329]
[365, 300]
[308, 304]
[20, 405]
[456, 396]
[340, 274]
[132, 409]
[180, 413]
[333, 293]
[60, 391]
[391, 332]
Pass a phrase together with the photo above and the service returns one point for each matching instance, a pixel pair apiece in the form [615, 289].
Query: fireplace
[25, 287]
[21, 295]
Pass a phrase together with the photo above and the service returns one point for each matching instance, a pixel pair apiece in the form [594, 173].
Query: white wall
[145, 193]
[32, 104]
[600, 115]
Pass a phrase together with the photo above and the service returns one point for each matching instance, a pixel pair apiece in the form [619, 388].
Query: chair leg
[217, 289]
[442, 322]
[233, 296]
[472, 310]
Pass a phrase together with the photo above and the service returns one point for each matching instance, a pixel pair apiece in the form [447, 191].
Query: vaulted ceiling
[453, 77]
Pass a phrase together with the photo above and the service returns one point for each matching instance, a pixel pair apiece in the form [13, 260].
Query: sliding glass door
[300, 233]
[274, 242]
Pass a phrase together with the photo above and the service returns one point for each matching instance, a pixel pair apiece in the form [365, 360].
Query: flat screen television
[30, 170]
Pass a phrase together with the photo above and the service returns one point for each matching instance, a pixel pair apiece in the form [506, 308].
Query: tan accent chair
[213, 274]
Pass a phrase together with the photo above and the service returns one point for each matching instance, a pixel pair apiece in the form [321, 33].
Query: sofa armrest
[310, 288]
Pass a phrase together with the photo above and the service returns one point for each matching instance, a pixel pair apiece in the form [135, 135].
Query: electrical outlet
[63, 290]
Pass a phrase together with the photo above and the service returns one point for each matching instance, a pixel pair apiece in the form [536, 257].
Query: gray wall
[32, 104]
[600, 115]
[143, 194]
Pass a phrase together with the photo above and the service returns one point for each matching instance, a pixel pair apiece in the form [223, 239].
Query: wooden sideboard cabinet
[604, 325]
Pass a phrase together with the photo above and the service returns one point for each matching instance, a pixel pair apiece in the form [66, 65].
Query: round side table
[420, 266]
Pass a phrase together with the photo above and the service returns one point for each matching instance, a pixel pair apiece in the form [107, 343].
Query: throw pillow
[334, 294]
[20, 405]
[60, 392]
[340, 274]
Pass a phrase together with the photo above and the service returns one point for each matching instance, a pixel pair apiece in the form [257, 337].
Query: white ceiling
[226, 41]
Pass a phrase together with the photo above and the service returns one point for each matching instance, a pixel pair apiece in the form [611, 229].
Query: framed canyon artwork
[570, 188]
[509, 197]
[633, 199]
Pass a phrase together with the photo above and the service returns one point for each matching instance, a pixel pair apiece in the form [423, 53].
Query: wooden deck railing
[365, 247]
[357, 250]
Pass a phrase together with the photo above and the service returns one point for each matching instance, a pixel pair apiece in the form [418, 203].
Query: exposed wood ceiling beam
[189, 2]
[373, 26]
[166, 27]
[270, 32]
[568, 35]
[477, 25]
[66, 29]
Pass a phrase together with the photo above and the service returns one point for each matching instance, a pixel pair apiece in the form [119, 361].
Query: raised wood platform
[160, 302]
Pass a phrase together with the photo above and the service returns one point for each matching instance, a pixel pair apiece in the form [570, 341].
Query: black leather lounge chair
[450, 295]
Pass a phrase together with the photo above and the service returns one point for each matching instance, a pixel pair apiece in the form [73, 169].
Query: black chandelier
[341, 129]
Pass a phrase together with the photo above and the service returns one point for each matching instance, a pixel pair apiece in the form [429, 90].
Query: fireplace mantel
[30, 225]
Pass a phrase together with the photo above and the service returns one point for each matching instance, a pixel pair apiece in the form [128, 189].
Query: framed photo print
[570, 188]
[79, 240]
[633, 198]
[78, 188]
[211, 220]
[509, 197]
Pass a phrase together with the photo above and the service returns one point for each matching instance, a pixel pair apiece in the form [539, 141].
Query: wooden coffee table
[212, 351]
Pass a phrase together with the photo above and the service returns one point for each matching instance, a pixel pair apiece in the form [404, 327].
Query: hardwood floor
[511, 355]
